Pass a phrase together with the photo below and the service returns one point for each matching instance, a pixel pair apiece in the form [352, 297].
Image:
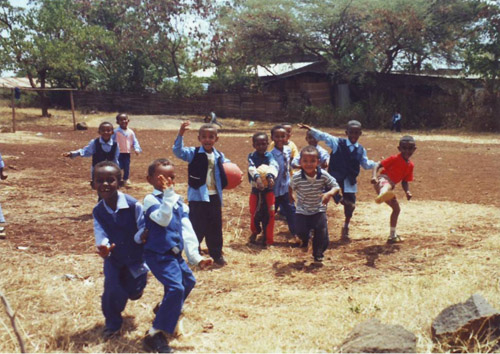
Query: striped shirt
[309, 191]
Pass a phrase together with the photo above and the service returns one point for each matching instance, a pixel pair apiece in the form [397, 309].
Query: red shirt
[397, 169]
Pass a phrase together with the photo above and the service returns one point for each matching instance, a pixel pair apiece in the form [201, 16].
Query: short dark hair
[103, 124]
[119, 115]
[162, 161]
[208, 126]
[256, 135]
[309, 149]
[107, 163]
[276, 127]
[407, 139]
[310, 133]
[353, 123]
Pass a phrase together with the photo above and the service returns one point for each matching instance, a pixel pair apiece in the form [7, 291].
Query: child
[118, 219]
[396, 168]
[309, 185]
[212, 119]
[323, 154]
[288, 142]
[103, 148]
[206, 180]
[3, 176]
[262, 195]
[169, 232]
[282, 154]
[126, 140]
[396, 122]
[346, 158]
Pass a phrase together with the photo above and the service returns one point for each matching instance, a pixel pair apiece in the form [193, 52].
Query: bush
[186, 88]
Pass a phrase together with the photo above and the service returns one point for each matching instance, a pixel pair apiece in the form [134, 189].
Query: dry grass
[273, 300]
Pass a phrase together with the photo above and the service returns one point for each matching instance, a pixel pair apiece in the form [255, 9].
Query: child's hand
[291, 198]
[270, 182]
[137, 152]
[165, 182]
[326, 198]
[373, 180]
[259, 183]
[205, 263]
[184, 126]
[304, 126]
[144, 236]
[104, 250]
[408, 195]
[66, 154]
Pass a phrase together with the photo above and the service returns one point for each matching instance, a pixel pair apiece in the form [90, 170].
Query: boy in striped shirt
[309, 185]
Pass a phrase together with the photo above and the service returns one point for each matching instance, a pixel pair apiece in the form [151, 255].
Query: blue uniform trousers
[178, 281]
[319, 224]
[124, 160]
[288, 209]
[119, 286]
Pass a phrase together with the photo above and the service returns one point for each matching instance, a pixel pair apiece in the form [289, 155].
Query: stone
[372, 336]
[81, 126]
[467, 324]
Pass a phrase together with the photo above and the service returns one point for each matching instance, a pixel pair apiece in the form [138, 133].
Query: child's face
[106, 182]
[288, 129]
[310, 140]
[167, 171]
[279, 138]
[105, 131]
[353, 134]
[260, 144]
[309, 162]
[123, 121]
[407, 149]
[208, 138]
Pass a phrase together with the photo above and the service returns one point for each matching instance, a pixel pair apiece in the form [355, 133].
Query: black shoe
[157, 343]
[107, 333]
[220, 261]
[136, 296]
[318, 259]
[253, 238]
[157, 308]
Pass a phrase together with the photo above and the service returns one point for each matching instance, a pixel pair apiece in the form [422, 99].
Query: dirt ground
[47, 202]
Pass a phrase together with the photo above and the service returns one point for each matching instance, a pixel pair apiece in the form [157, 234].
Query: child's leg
[269, 227]
[254, 199]
[289, 211]
[124, 160]
[384, 188]
[393, 203]
[349, 201]
[197, 216]
[133, 286]
[114, 297]
[2, 218]
[320, 240]
[167, 269]
[213, 227]
[303, 228]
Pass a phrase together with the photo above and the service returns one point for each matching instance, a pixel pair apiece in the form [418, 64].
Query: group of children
[135, 238]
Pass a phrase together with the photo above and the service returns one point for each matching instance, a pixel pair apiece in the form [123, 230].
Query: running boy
[126, 140]
[103, 148]
[309, 185]
[282, 154]
[3, 176]
[206, 180]
[396, 168]
[323, 154]
[262, 170]
[345, 160]
[170, 232]
[118, 219]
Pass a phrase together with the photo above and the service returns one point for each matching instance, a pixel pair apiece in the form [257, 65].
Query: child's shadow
[80, 341]
[372, 252]
[84, 217]
[281, 270]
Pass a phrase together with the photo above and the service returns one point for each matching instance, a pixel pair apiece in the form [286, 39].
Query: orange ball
[233, 174]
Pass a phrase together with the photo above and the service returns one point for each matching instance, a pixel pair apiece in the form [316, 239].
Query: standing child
[262, 170]
[323, 154]
[309, 185]
[293, 148]
[2, 218]
[346, 158]
[103, 148]
[282, 154]
[126, 140]
[170, 232]
[118, 223]
[396, 168]
[206, 180]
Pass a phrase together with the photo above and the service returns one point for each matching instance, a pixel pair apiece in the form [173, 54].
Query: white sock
[393, 232]
[153, 331]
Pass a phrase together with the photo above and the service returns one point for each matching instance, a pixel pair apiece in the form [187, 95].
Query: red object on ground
[233, 174]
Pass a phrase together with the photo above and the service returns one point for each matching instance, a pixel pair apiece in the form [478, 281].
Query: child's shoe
[344, 236]
[318, 259]
[384, 197]
[157, 343]
[2, 233]
[253, 238]
[127, 183]
[220, 261]
[394, 239]
[107, 333]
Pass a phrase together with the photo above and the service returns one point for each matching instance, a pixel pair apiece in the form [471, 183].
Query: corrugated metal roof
[262, 71]
[11, 82]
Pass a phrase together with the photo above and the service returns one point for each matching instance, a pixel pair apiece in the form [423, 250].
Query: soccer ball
[233, 174]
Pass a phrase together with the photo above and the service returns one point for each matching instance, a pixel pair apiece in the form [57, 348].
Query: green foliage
[187, 88]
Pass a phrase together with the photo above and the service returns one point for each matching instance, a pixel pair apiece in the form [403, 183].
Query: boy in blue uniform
[100, 149]
[346, 158]
[118, 221]
[206, 180]
[169, 233]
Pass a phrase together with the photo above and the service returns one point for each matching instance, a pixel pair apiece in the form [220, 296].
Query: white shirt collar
[349, 144]
[121, 203]
[109, 142]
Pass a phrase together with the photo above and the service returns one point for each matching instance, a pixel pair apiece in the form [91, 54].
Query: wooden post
[72, 109]
[13, 111]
